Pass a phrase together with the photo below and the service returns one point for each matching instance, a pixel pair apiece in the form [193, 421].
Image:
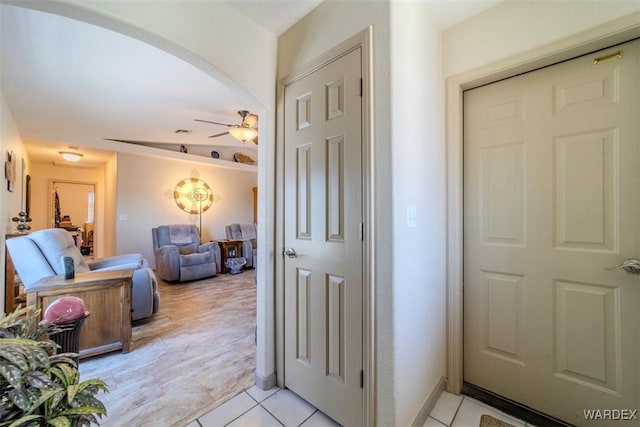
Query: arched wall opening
[192, 48]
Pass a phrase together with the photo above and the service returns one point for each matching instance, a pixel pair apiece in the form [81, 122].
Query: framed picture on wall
[10, 170]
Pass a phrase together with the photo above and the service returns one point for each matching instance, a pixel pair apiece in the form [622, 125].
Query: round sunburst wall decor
[193, 195]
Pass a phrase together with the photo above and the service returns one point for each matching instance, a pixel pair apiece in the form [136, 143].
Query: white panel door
[323, 214]
[552, 189]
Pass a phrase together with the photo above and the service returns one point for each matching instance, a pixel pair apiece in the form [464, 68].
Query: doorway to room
[71, 205]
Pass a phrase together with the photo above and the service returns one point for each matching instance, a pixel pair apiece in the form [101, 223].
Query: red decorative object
[64, 310]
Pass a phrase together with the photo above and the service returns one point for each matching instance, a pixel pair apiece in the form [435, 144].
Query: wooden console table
[107, 296]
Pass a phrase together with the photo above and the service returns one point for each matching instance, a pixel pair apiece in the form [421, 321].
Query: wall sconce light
[70, 156]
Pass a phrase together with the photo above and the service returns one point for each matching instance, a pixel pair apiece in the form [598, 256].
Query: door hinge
[360, 87]
[361, 379]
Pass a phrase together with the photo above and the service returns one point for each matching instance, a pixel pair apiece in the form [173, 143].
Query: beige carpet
[489, 421]
[197, 352]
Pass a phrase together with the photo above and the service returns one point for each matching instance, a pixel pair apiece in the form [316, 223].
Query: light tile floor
[462, 411]
[276, 407]
[256, 408]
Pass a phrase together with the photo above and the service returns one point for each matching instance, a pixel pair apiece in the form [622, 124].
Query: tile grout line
[257, 404]
[438, 421]
[307, 419]
[246, 391]
[274, 417]
[456, 412]
[254, 399]
[454, 416]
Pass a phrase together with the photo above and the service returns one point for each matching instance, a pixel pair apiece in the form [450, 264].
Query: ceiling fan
[245, 131]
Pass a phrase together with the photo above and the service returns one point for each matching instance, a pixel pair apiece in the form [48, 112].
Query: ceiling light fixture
[243, 133]
[70, 156]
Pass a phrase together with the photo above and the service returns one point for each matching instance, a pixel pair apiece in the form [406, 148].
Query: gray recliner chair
[37, 255]
[180, 256]
[247, 233]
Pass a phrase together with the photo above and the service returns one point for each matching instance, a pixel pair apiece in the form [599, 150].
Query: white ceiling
[275, 16]
[66, 81]
[451, 12]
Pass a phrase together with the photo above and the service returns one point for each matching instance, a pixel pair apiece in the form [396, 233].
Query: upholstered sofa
[246, 233]
[37, 255]
[179, 255]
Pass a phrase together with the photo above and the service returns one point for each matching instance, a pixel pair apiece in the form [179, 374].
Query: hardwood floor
[194, 354]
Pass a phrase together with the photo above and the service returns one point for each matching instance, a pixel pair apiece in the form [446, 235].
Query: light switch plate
[412, 217]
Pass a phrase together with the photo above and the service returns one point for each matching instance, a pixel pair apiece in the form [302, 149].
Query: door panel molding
[614, 32]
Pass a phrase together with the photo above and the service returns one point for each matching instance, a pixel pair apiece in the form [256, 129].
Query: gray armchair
[37, 255]
[246, 233]
[180, 256]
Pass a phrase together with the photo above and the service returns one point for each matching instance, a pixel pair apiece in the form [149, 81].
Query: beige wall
[418, 159]
[514, 26]
[10, 201]
[145, 199]
[10, 141]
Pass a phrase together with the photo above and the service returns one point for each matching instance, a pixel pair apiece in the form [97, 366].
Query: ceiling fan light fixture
[250, 120]
[243, 133]
[70, 156]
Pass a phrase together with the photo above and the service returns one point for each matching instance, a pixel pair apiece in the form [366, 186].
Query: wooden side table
[229, 249]
[106, 294]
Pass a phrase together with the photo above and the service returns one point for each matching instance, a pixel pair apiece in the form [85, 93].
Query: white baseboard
[265, 383]
[428, 406]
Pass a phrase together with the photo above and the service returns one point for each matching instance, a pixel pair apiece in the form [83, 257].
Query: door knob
[629, 265]
[290, 253]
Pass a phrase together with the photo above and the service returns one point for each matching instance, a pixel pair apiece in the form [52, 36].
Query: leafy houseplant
[39, 387]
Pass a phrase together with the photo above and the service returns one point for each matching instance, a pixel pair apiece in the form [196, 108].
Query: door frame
[97, 216]
[614, 32]
[362, 40]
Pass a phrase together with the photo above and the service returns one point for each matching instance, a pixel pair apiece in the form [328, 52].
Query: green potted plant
[38, 386]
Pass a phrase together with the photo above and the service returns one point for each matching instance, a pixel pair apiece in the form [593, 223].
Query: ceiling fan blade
[218, 134]
[213, 123]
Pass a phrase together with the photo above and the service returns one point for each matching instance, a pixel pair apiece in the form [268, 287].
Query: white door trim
[362, 40]
[614, 32]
